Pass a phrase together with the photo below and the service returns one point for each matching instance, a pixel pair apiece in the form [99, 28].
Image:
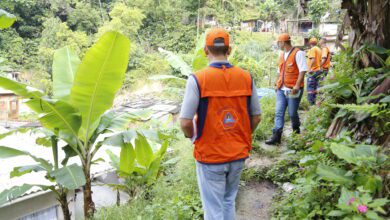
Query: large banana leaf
[143, 151]
[54, 115]
[119, 139]
[141, 160]
[65, 63]
[118, 121]
[152, 171]
[6, 19]
[114, 159]
[7, 152]
[176, 62]
[19, 171]
[98, 78]
[71, 177]
[199, 60]
[154, 167]
[127, 158]
[59, 115]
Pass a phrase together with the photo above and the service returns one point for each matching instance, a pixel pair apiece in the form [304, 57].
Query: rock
[288, 187]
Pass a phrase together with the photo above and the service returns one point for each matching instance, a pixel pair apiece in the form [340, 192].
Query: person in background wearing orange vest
[289, 87]
[314, 62]
[326, 57]
[224, 101]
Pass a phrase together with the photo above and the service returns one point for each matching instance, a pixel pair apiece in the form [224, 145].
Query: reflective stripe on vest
[223, 116]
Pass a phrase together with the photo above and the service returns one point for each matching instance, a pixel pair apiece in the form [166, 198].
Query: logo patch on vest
[229, 119]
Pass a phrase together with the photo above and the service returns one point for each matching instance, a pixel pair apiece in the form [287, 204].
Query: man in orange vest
[289, 87]
[224, 101]
[314, 62]
[326, 57]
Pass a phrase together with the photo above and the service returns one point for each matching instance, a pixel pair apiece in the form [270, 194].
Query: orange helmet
[313, 40]
[215, 33]
[284, 37]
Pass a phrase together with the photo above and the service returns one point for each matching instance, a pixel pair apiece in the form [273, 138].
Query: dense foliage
[341, 176]
[335, 175]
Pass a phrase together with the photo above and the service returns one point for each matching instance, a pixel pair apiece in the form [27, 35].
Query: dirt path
[254, 200]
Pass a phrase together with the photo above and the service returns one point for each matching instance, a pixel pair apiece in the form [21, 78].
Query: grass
[175, 194]
[264, 130]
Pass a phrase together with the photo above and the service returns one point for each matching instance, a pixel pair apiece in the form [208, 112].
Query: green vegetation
[174, 195]
[342, 176]
[78, 56]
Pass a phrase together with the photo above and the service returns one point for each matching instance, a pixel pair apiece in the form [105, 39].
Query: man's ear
[229, 50]
[206, 50]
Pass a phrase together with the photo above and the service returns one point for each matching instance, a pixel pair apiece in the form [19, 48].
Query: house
[210, 21]
[294, 26]
[257, 25]
[207, 21]
[9, 105]
[328, 28]
[9, 102]
[251, 25]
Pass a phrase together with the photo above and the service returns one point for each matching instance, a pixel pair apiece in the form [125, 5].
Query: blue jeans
[282, 102]
[218, 185]
[312, 86]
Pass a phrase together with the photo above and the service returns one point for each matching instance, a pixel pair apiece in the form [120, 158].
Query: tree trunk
[118, 198]
[89, 205]
[64, 205]
[369, 21]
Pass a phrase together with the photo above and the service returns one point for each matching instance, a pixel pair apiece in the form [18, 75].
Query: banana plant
[199, 61]
[84, 92]
[63, 179]
[6, 19]
[137, 154]
[138, 162]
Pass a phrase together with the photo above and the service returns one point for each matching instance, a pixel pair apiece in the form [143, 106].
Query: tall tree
[369, 35]
[369, 24]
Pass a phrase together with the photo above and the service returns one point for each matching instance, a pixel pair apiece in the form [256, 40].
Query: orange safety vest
[288, 70]
[223, 118]
[327, 62]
